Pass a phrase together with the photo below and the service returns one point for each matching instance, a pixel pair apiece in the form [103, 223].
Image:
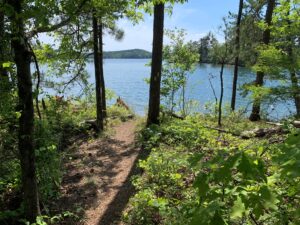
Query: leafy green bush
[117, 112]
[197, 175]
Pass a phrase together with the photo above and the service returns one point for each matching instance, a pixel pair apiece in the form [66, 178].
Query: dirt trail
[97, 182]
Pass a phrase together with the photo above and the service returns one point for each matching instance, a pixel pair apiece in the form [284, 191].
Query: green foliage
[128, 54]
[47, 220]
[279, 60]
[195, 175]
[180, 59]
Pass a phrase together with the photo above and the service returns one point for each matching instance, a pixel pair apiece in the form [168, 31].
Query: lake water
[126, 77]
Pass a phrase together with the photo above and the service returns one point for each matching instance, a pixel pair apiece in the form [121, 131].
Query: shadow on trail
[113, 213]
[90, 169]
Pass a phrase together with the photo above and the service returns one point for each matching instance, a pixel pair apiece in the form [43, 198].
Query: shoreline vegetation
[127, 54]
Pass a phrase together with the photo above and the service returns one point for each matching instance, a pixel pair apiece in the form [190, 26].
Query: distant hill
[128, 54]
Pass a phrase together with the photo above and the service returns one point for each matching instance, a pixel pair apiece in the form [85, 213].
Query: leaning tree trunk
[103, 97]
[237, 52]
[255, 114]
[97, 56]
[26, 121]
[156, 66]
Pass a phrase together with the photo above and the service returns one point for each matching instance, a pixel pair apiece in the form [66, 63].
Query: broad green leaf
[18, 115]
[6, 65]
[269, 199]
[201, 183]
[217, 220]
[194, 160]
[238, 209]
[205, 215]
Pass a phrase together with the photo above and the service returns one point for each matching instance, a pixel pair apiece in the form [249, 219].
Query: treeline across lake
[128, 54]
[220, 168]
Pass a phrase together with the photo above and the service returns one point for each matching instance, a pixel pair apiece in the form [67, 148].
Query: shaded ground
[96, 184]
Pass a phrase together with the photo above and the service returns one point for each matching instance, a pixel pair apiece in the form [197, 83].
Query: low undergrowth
[61, 124]
[198, 175]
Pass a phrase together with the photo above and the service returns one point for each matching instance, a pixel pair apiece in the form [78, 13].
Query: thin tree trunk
[156, 67]
[221, 95]
[255, 114]
[172, 96]
[97, 57]
[296, 92]
[38, 76]
[101, 69]
[2, 33]
[237, 52]
[4, 80]
[26, 121]
[183, 101]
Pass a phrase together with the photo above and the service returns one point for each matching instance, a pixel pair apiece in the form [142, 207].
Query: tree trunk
[156, 66]
[183, 102]
[97, 56]
[4, 80]
[237, 52]
[296, 92]
[221, 95]
[255, 114]
[26, 121]
[172, 97]
[293, 75]
[101, 69]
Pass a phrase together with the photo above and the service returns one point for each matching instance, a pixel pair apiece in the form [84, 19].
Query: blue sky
[197, 17]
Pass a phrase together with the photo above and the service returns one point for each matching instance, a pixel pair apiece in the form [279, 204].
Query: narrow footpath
[97, 183]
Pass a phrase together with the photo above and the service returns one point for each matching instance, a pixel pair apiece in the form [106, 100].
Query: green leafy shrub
[117, 112]
[197, 175]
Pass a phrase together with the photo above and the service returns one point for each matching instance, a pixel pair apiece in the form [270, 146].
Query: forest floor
[96, 184]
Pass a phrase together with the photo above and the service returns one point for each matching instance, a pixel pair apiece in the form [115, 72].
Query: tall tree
[179, 59]
[156, 66]
[106, 12]
[98, 73]
[103, 95]
[292, 57]
[22, 56]
[280, 59]
[205, 47]
[237, 52]
[255, 114]
[39, 16]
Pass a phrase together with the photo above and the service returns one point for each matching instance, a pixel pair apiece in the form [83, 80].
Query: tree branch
[38, 74]
[54, 27]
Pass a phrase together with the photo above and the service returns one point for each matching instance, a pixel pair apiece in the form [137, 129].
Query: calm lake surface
[126, 77]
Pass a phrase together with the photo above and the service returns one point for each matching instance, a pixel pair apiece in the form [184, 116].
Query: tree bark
[183, 101]
[4, 80]
[26, 122]
[255, 114]
[222, 94]
[101, 69]
[97, 57]
[296, 92]
[293, 75]
[237, 52]
[156, 66]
